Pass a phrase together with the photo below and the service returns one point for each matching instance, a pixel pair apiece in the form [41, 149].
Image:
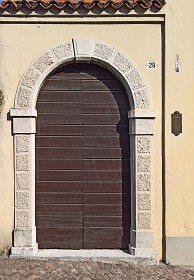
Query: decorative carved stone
[144, 220]
[63, 51]
[43, 62]
[103, 52]
[144, 163]
[135, 79]
[22, 143]
[143, 144]
[23, 97]
[144, 201]
[141, 99]
[22, 200]
[22, 181]
[22, 162]
[22, 219]
[30, 78]
[144, 182]
[122, 63]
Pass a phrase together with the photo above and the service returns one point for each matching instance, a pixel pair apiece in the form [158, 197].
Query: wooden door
[82, 160]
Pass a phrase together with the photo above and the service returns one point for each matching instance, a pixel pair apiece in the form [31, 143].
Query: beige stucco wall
[21, 43]
[180, 96]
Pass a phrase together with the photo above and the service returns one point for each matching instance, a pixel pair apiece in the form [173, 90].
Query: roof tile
[74, 4]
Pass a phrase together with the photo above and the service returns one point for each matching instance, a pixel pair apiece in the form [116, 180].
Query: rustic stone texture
[144, 182]
[62, 51]
[122, 63]
[141, 98]
[144, 144]
[43, 62]
[30, 78]
[22, 143]
[144, 220]
[22, 200]
[135, 79]
[144, 201]
[22, 219]
[23, 97]
[22, 162]
[103, 52]
[144, 163]
[22, 180]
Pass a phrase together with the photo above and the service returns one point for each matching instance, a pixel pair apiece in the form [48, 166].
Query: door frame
[141, 119]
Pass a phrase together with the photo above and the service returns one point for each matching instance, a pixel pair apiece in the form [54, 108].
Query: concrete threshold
[103, 255]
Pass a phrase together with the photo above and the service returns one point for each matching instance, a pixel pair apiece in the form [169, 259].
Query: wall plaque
[176, 123]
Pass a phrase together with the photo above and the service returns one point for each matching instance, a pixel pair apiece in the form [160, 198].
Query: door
[82, 160]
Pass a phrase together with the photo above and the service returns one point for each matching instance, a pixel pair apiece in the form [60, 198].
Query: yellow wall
[21, 43]
[180, 96]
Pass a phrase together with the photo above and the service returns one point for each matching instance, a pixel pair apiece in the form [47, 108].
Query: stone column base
[144, 253]
[24, 251]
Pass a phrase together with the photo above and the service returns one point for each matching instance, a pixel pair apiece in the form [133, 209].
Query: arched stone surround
[141, 137]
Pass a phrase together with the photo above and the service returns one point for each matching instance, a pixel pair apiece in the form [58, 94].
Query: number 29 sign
[152, 64]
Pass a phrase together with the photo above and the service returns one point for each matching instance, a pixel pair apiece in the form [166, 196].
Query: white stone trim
[83, 50]
[141, 137]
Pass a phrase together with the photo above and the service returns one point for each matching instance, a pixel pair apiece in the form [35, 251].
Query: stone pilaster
[142, 235]
[24, 146]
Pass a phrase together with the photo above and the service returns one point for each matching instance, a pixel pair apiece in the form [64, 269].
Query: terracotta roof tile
[88, 4]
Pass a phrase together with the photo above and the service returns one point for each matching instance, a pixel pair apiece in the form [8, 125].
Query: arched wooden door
[82, 160]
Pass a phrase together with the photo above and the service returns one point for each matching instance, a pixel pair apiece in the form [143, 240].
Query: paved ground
[85, 270]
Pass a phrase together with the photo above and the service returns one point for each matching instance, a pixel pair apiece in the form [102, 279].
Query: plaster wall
[179, 151]
[21, 43]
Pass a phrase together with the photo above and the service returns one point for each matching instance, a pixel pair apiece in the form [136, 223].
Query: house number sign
[152, 64]
[176, 123]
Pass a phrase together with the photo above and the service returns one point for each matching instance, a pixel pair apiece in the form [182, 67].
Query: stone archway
[141, 136]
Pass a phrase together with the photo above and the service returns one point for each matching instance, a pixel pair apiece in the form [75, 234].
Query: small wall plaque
[176, 123]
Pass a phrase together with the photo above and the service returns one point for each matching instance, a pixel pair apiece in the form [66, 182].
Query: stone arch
[83, 50]
[141, 136]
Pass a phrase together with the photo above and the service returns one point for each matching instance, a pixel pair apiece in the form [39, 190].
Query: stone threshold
[102, 255]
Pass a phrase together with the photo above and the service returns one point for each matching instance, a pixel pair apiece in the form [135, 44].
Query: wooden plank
[100, 85]
[114, 96]
[105, 119]
[59, 130]
[106, 238]
[50, 119]
[106, 210]
[58, 221]
[105, 130]
[106, 187]
[58, 96]
[53, 186]
[58, 198]
[106, 198]
[59, 175]
[74, 210]
[59, 164]
[58, 141]
[59, 238]
[61, 84]
[114, 153]
[105, 108]
[57, 153]
[72, 108]
[106, 164]
[110, 221]
[106, 176]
